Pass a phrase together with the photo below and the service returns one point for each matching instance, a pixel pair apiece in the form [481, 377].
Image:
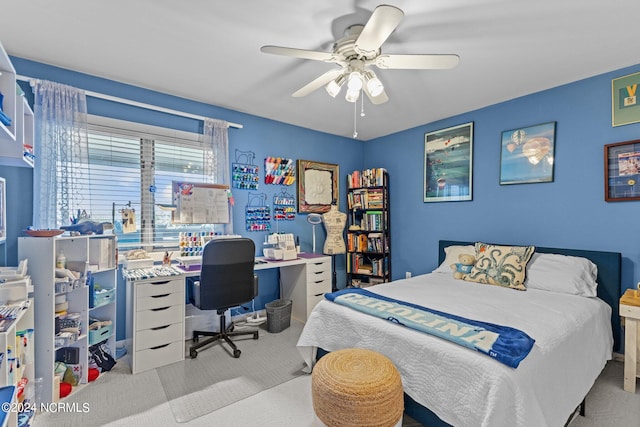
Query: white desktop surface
[303, 258]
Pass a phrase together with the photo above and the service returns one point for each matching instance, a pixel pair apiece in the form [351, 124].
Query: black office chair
[226, 281]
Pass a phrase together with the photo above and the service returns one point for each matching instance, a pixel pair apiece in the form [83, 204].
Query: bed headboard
[609, 277]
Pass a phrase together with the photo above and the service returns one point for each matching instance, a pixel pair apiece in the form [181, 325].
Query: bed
[446, 384]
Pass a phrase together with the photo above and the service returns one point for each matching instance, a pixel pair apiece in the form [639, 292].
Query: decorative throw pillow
[501, 265]
[453, 255]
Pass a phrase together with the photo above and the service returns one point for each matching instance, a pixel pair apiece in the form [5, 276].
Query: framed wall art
[622, 171]
[625, 106]
[527, 154]
[317, 186]
[448, 164]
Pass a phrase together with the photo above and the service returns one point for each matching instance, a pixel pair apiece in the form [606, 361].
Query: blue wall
[569, 212]
[262, 136]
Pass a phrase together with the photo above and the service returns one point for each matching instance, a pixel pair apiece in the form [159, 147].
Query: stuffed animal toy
[466, 262]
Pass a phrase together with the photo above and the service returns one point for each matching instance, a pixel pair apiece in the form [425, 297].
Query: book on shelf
[366, 178]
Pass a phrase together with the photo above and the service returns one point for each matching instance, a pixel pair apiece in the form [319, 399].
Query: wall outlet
[407, 274]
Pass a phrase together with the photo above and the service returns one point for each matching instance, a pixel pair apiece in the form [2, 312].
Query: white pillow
[562, 273]
[452, 253]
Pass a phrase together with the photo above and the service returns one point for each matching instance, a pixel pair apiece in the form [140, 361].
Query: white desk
[304, 280]
[155, 330]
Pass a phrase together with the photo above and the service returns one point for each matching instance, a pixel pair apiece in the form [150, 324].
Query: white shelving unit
[95, 253]
[18, 359]
[15, 139]
[8, 89]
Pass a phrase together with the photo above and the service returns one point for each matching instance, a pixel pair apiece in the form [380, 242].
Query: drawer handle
[319, 281]
[317, 295]
[161, 308]
[160, 283]
[158, 346]
[160, 296]
[318, 272]
[160, 327]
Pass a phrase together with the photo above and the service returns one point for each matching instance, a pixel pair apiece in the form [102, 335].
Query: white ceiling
[210, 51]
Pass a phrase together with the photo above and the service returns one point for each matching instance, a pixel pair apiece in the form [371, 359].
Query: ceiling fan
[359, 49]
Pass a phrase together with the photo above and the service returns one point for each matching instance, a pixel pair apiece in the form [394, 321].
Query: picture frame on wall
[527, 154]
[448, 164]
[622, 171]
[317, 186]
[625, 102]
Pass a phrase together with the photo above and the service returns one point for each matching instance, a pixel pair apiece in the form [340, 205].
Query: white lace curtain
[216, 136]
[61, 152]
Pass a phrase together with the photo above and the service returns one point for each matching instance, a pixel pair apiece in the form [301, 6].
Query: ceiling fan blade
[381, 98]
[381, 24]
[302, 53]
[318, 83]
[417, 62]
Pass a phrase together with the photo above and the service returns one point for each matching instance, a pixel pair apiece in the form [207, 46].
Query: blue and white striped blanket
[506, 345]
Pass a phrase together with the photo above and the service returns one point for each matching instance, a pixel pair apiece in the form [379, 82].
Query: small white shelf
[80, 251]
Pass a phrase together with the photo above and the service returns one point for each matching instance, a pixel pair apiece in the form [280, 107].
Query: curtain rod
[136, 103]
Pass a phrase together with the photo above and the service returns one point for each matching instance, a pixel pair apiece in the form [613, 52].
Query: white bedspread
[466, 388]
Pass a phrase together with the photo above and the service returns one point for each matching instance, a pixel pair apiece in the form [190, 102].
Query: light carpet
[215, 379]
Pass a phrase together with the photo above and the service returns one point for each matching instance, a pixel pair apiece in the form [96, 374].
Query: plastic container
[98, 335]
[103, 297]
[278, 315]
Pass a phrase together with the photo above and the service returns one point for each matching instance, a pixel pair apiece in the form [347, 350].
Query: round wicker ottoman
[356, 388]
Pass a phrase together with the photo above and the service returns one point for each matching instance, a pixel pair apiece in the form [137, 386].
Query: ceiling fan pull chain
[362, 107]
[355, 119]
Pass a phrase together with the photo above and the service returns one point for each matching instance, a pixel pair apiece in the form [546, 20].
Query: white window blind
[133, 166]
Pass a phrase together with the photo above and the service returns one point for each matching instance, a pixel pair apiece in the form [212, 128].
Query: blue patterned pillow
[501, 265]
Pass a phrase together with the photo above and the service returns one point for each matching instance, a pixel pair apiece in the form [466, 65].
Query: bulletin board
[198, 203]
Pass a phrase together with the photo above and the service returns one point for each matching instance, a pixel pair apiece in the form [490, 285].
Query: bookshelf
[369, 228]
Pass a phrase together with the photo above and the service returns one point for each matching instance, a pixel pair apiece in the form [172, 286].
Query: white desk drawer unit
[155, 322]
[306, 285]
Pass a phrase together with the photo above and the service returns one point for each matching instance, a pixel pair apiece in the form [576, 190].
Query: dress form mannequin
[334, 222]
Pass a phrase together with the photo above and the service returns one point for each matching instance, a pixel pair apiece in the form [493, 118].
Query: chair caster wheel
[193, 354]
[236, 353]
[255, 335]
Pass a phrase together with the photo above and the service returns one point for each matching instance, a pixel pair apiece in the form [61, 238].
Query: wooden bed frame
[609, 281]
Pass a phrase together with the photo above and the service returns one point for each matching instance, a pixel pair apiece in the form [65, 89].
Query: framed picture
[625, 106]
[317, 186]
[527, 154]
[622, 171]
[448, 164]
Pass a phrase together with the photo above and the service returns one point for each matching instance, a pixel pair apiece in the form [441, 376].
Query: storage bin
[103, 297]
[278, 315]
[71, 321]
[97, 335]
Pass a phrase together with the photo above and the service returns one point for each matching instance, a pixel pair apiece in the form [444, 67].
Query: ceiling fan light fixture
[334, 86]
[355, 81]
[352, 95]
[374, 85]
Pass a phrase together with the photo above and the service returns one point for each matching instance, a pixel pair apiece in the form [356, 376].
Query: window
[132, 166]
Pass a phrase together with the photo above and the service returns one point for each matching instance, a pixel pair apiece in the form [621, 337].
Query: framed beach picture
[527, 154]
[622, 171]
[448, 164]
[625, 101]
[317, 186]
